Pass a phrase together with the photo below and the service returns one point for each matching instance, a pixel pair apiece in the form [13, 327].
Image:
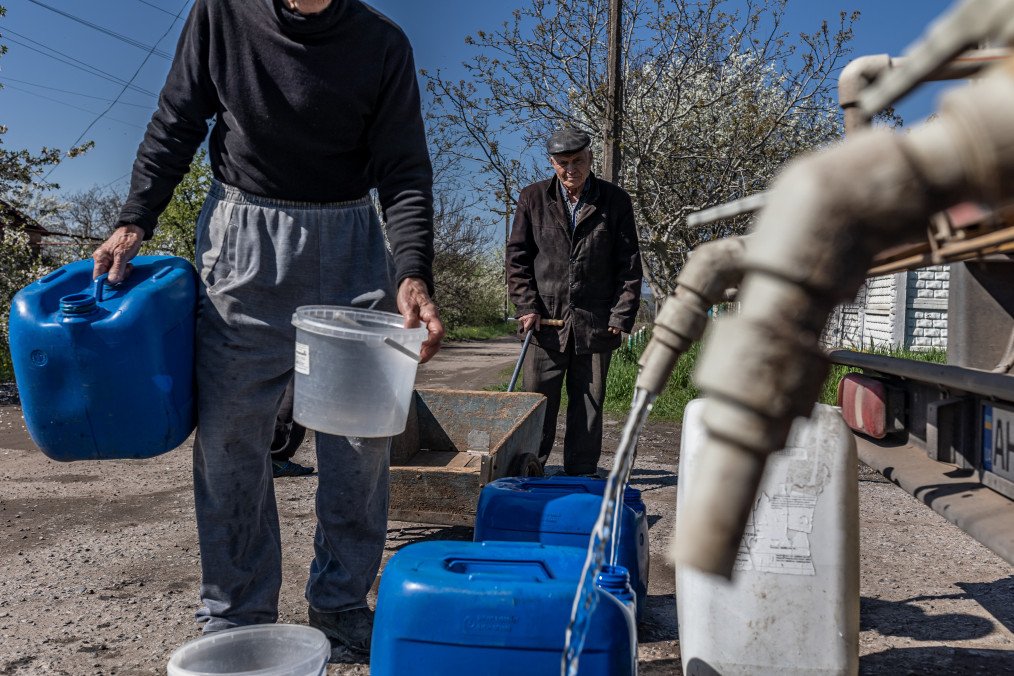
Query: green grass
[504, 379]
[829, 391]
[681, 389]
[620, 384]
[481, 332]
[623, 374]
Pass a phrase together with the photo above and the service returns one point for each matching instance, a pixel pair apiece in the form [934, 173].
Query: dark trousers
[288, 433]
[585, 376]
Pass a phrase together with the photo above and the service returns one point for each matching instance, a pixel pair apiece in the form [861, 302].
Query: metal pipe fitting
[858, 106]
[854, 79]
[710, 271]
[939, 55]
[827, 216]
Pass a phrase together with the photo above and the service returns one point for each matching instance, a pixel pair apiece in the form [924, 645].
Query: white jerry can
[792, 607]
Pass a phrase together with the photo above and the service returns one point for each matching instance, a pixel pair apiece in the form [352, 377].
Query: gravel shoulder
[99, 562]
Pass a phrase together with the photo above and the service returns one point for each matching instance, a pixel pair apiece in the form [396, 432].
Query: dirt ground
[99, 562]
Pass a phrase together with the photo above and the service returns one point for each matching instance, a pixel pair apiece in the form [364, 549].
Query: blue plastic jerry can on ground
[498, 609]
[107, 372]
[562, 510]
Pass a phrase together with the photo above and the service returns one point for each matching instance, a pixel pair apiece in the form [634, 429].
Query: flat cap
[567, 140]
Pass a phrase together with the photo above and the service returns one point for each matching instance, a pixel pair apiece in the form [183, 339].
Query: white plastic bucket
[261, 650]
[355, 370]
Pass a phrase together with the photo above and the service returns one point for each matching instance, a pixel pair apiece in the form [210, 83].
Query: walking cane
[521, 360]
[527, 464]
[524, 351]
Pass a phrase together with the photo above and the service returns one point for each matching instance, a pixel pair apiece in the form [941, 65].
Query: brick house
[905, 309]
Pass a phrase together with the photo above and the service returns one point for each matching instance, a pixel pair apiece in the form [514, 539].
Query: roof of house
[10, 215]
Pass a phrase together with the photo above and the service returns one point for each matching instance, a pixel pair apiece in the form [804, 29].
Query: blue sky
[50, 102]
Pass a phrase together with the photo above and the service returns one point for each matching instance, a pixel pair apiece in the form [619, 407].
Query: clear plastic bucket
[262, 650]
[355, 370]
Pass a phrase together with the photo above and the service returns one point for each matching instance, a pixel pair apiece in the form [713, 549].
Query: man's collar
[308, 25]
[589, 191]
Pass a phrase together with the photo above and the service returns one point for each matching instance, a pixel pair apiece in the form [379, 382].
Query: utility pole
[506, 240]
[614, 95]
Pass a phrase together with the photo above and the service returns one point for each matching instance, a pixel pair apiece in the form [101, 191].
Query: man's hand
[529, 322]
[615, 331]
[415, 305]
[113, 255]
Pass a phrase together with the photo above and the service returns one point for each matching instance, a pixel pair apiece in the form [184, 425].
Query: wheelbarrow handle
[521, 360]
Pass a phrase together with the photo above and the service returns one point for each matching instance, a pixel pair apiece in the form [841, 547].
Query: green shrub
[177, 226]
[20, 265]
[623, 375]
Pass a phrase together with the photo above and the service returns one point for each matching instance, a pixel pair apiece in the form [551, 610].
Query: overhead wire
[69, 105]
[151, 49]
[71, 61]
[153, 5]
[115, 180]
[4, 78]
[129, 82]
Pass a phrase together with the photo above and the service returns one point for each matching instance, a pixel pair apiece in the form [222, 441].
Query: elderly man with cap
[573, 256]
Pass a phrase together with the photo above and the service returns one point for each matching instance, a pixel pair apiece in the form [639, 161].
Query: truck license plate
[997, 443]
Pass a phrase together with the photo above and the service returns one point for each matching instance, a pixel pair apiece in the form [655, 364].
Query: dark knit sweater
[317, 108]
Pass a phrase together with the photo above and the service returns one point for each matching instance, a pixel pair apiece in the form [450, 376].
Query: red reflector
[863, 402]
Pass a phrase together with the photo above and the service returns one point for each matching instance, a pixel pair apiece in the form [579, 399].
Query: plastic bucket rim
[391, 325]
[323, 650]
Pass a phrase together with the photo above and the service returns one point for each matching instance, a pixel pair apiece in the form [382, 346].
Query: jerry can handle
[98, 285]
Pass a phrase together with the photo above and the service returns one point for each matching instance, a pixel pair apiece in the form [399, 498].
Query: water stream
[605, 530]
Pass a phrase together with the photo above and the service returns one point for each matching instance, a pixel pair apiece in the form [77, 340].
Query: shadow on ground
[904, 618]
[938, 660]
[995, 597]
[399, 538]
[659, 621]
[651, 479]
[666, 667]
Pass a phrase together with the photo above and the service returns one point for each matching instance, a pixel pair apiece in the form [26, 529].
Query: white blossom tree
[716, 95]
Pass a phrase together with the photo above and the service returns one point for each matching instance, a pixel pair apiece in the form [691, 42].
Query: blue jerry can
[106, 372]
[494, 608]
[562, 510]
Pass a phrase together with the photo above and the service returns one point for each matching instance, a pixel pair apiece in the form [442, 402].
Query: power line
[115, 180]
[150, 4]
[151, 49]
[129, 82]
[69, 105]
[73, 62]
[66, 91]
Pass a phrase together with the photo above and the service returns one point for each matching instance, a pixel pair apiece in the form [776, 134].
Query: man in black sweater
[315, 102]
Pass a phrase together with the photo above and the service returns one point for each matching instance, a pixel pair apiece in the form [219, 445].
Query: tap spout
[826, 217]
[713, 268]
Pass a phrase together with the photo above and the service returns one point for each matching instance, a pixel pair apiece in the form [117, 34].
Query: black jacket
[591, 279]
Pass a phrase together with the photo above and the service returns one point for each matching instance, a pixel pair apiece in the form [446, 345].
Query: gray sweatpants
[260, 259]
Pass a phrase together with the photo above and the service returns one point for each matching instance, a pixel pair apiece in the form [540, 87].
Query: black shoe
[288, 468]
[351, 628]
